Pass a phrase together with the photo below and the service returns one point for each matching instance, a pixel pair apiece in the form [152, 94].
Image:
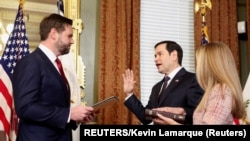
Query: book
[150, 114]
[104, 103]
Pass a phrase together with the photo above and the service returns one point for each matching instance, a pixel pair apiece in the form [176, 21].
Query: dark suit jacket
[183, 91]
[42, 101]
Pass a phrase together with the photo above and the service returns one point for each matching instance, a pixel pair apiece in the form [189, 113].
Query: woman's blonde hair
[216, 65]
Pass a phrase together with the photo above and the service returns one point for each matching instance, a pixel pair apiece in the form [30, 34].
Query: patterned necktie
[163, 87]
[59, 65]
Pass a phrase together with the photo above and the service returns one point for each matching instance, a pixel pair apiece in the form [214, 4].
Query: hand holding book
[179, 117]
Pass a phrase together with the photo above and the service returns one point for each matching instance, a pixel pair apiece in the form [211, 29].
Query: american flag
[16, 48]
[60, 7]
[204, 31]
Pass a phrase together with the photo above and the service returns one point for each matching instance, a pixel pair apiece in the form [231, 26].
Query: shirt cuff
[128, 96]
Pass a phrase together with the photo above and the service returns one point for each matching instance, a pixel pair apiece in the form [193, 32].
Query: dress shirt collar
[48, 53]
[174, 72]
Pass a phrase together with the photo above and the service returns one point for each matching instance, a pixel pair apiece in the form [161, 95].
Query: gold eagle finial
[202, 6]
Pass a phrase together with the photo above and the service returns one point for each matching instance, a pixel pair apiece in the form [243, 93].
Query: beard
[63, 48]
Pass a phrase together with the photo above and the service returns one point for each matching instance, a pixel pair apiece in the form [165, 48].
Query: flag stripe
[6, 101]
[5, 93]
[5, 107]
[5, 122]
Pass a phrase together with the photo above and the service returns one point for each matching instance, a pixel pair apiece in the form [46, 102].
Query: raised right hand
[128, 81]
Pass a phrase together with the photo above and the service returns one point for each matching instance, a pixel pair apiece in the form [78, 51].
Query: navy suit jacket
[183, 91]
[41, 99]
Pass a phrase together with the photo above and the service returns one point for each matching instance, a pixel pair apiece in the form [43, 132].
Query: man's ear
[174, 54]
[53, 33]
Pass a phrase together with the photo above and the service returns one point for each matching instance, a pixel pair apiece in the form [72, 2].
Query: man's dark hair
[170, 47]
[53, 21]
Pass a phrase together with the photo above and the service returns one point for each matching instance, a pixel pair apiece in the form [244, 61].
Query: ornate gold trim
[72, 11]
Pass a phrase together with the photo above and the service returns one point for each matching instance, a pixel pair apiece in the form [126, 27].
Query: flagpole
[202, 6]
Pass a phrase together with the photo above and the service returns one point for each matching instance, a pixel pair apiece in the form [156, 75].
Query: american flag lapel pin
[177, 80]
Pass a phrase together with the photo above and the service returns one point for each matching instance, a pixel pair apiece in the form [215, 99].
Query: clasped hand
[82, 114]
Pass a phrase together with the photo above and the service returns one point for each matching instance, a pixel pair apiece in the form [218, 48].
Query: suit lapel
[53, 70]
[176, 80]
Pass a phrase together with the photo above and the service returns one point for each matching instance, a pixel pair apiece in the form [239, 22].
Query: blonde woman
[217, 74]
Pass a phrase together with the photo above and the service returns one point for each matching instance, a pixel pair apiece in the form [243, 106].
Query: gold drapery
[118, 50]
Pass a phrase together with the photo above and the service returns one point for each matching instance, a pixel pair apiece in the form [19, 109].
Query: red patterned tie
[59, 65]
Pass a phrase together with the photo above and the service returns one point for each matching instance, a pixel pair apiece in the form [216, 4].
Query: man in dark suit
[41, 94]
[182, 89]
